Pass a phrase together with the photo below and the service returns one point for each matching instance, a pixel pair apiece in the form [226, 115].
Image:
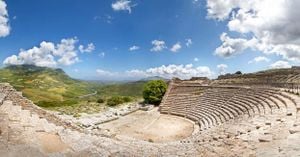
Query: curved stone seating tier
[252, 100]
[294, 78]
[216, 105]
[225, 111]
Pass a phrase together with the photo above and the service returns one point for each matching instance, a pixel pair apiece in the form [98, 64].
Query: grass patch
[47, 104]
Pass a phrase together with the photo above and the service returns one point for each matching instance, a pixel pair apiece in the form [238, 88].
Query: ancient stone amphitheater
[238, 115]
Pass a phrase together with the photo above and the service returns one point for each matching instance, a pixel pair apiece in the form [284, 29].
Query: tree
[154, 91]
[238, 73]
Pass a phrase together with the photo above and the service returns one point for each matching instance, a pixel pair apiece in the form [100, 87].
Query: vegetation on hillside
[54, 89]
[133, 89]
[117, 100]
[154, 91]
[44, 84]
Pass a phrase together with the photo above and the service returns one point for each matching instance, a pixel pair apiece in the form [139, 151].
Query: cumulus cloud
[221, 9]
[176, 47]
[105, 73]
[4, 25]
[188, 42]
[280, 64]
[47, 54]
[181, 71]
[136, 73]
[222, 68]
[102, 54]
[134, 48]
[158, 45]
[122, 5]
[196, 59]
[259, 59]
[231, 46]
[89, 48]
[273, 24]
[169, 71]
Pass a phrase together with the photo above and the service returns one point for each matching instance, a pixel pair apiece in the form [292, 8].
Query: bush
[127, 99]
[154, 91]
[100, 100]
[238, 73]
[116, 100]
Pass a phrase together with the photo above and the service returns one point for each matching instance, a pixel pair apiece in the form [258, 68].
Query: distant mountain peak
[30, 67]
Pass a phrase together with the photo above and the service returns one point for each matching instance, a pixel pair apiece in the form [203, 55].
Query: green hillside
[44, 84]
[133, 89]
[55, 90]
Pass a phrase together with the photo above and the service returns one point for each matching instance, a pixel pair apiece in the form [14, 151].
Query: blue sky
[112, 27]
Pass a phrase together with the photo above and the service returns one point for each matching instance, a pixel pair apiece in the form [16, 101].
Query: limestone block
[265, 138]
[295, 129]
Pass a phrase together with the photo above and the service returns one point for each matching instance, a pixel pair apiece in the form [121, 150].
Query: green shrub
[154, 91]
[100, 100]
[114, 101]
[127, 99]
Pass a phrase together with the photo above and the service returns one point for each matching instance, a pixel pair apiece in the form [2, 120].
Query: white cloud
[231, 46]
[47, 54]
[102, 54]
[104, 73]
[4, 25]
[136, 73]
[40, 56]
[158, 45]
[273, 24]
[67, 52]
[122, 5]
[221, 9]
[196, 59]
[280, 64]
[105, 18]
[222, 68]
[181, 71]
[169, 71]
[176, 47]
[90, 48]
[134, 48]
[259, 59]
[189, 42]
